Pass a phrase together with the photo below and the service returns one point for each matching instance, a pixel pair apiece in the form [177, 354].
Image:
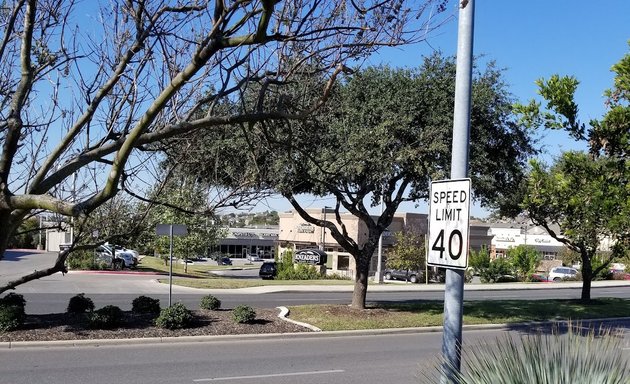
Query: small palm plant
[576, 356]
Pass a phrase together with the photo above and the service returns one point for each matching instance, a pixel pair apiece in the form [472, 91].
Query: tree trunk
[360, 284]
[587, 276]
[7, 230]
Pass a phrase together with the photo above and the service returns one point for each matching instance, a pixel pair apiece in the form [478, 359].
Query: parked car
[115, 256]
[225, 261]
[399, 274]
[537, 278]
[254, 257]
[617, 268]
[560, 273]
[268, 270]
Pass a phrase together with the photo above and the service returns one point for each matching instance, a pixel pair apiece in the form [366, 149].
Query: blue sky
[531, 39]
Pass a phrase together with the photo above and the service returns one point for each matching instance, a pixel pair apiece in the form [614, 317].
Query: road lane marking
[267, 376]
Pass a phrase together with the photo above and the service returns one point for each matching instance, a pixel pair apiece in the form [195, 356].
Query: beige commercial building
[296, 234]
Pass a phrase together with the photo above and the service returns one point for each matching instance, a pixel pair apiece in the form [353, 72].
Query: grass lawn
[429, 313]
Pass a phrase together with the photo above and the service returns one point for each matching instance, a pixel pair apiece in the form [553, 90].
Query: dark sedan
[268, 270]
[399, 274]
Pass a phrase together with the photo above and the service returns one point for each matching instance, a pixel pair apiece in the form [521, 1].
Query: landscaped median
[147, 321]
[429, 313]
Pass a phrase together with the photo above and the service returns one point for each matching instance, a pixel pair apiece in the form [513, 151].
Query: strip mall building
[296, 234]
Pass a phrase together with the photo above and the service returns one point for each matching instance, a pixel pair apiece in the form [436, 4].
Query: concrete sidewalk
[408, 287]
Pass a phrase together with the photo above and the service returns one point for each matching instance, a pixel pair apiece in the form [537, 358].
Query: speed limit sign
[449, 220]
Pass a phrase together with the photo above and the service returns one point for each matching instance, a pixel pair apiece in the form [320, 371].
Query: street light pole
[322, 246]
[454, 289]
[378, 277]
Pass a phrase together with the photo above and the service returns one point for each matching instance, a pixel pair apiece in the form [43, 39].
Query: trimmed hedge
[80, 304]
[174, 317]
[145, 305]
[12, 314]
[210, 302]
[108, 317]
[243, 314]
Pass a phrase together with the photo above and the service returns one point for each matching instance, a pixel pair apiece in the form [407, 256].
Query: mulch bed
[62, 326]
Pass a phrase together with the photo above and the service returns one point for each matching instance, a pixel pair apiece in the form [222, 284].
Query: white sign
[449, 220]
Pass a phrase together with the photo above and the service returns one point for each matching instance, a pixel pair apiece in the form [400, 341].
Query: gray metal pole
[454, 291]
[170, 263]
[378, 278]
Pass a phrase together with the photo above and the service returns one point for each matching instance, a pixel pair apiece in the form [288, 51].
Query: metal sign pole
[170, 271]
[170, 230]
[454, 291]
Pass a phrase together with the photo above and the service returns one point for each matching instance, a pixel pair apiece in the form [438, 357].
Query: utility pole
[454, 290]
[378, 277]
[322, 246]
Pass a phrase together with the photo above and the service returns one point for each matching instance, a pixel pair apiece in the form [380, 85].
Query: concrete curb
[284, 312]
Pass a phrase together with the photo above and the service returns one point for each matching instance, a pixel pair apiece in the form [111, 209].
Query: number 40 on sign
[449, 220]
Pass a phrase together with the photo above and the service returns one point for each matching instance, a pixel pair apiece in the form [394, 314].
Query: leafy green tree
[497, 269]
[480, 259]
[407, 253]
[382, 136]
[524, 260]
[569, 257]
[585, 194]
[26, 234]
[184, 200]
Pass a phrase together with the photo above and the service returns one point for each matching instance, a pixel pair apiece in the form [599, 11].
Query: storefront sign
[244, 234]
[305, 228]
[310, 256]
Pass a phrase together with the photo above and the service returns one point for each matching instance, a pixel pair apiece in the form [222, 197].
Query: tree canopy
[407, 253]
[384, 134]
[587, 194]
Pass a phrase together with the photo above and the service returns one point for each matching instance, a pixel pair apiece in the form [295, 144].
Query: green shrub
[337, 276]
[14, 299]
[11, 317]
[145, 305]
[174, 317]
[572, 357]
[81, 260]
[108, 317]
[496, 271]
[12, 314]
[243, 314]
[290, 271]
[80, 304]
[210, 302]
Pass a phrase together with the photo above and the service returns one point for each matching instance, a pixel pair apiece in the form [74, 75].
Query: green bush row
[13, 315]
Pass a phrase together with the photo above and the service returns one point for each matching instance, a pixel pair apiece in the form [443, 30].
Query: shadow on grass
[525, 315]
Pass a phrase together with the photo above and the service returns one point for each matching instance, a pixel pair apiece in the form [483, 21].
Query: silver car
[560, 273]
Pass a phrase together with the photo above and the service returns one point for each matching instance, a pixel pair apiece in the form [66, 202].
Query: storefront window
[343, 263]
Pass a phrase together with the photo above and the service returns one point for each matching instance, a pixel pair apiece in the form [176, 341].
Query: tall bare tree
[85, 88]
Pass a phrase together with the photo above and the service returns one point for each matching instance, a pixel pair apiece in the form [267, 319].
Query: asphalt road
[313, 359]
[51, 302]
[51, 294]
